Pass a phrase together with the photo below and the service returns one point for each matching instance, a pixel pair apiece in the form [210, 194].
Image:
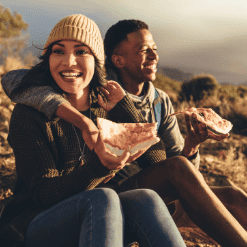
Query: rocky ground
[221, 164]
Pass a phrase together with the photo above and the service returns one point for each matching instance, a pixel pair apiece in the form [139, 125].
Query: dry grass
[225, 160]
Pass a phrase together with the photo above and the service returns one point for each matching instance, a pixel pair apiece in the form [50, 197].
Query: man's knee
[231, 195]
[179, 168]
[237, 195]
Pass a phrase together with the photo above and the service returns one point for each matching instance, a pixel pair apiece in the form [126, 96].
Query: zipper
[19, 234]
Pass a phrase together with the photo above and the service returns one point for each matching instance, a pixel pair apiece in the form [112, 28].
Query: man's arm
[45, 99]
[170, 133]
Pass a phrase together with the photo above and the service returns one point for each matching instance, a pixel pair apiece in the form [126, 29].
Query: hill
[175, 73]
[185, 73]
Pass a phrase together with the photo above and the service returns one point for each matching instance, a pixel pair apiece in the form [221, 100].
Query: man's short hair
[118, 33]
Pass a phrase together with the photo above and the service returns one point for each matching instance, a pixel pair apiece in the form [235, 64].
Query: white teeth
[151, 66]
[70, 74]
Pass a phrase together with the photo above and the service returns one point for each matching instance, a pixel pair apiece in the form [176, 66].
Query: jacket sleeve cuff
[195, 159]
[51, 103]
[126, 112]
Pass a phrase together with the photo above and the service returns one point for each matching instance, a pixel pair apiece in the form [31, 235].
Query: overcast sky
[209, 35]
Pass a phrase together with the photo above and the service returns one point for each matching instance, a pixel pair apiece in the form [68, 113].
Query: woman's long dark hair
[40, 75]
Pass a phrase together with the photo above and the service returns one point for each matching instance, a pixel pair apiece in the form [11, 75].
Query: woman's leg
[89, 219]
[148, 219]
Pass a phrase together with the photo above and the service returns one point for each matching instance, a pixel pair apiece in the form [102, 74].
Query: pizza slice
[119, 136]
[213, 121]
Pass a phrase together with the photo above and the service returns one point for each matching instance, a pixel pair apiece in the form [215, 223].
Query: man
[135, 58]
[132, 53]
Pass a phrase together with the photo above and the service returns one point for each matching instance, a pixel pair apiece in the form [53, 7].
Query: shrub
[168, 85]
[242, 91]
[200, 87]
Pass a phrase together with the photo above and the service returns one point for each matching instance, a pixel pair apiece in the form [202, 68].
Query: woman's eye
[58, 51]
[81, 52]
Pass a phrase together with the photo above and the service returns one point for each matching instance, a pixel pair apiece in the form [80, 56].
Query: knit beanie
[78, 28]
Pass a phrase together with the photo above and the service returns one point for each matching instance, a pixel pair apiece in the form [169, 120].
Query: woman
[55, 202]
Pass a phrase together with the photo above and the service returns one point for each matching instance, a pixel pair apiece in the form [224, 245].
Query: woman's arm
[125, 111]
[121, 108]
[86, 125]
[45, 153]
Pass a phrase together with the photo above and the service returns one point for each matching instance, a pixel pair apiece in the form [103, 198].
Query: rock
[194, 236]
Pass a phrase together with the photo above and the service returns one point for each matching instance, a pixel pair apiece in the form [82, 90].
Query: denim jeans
[98, 217]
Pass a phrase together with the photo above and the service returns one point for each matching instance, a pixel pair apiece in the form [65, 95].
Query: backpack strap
[157, 108]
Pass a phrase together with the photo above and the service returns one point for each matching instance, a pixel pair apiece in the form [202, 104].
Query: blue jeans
[98, 217]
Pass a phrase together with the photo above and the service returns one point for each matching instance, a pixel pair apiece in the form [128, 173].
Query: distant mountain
[185, 73]
[175, 73]
[37, 51]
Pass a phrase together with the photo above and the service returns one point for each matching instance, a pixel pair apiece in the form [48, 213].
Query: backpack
[157, 108]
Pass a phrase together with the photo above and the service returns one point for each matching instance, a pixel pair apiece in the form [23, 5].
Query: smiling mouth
[150, 66]
[70, 75]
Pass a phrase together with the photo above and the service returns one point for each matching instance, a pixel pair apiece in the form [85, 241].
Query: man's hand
[196, 135]
[113, 93]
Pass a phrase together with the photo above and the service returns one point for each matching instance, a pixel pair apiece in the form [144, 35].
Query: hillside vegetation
[229, 101]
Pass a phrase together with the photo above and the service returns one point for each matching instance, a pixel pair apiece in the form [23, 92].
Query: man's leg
[177, 178]
[235, 200]
[180, 217]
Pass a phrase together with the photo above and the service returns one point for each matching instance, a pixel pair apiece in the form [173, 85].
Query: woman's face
[72, 66]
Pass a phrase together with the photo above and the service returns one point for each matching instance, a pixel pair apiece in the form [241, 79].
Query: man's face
[140, 57]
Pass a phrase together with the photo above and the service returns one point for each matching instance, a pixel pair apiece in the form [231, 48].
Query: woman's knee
[141, 197]
[101, 202]
[106, 196]
[146, 194]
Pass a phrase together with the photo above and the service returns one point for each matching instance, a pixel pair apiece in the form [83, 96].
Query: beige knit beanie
[79, 28]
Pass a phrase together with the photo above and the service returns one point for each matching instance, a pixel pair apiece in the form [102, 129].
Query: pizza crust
[135, 149]
[212, 120]
[120, 136]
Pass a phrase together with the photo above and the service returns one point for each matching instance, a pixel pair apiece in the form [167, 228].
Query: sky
[207, 36]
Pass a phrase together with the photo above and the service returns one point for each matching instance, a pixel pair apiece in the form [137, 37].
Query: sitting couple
[61, 201]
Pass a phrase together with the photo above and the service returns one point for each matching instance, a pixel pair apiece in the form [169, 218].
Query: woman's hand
[108, 159]
[130, 159]
[113, 93]
[89, 132]
[137, 155]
